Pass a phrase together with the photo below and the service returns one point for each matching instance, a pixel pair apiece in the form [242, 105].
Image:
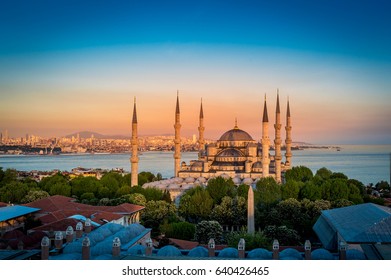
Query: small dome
[169, 251]
[260, 254]
[321, 254]
[199, 252]
[229, 253]
[72, 248]
[72, 256]
[104, 257]
[173, 186]
[187, 186]
[230, 152]
[136, 250]
[354, 254]
[178, 180]
[247, 181]
[290, 254]
[189, 180]
[201, 179]
[237, 180]
[225, 176]
[236, 134]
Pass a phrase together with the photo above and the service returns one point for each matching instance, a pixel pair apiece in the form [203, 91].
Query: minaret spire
[288, 138]
[134, 142]
[265, 142]
[177, 141]
[201, 129]
[277, 140]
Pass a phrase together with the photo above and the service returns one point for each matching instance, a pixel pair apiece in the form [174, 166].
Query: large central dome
[236, 134]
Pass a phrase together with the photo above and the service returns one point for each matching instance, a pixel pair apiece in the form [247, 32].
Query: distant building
[354, 225]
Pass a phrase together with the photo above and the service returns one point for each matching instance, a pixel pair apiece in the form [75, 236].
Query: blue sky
[91, 57]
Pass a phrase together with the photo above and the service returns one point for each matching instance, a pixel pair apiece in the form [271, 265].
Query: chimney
[116, 251]
[58, 239]
[211, 248]
[276, 249]
[20, 245]
[148, 250]
[87, 225]
[342, 250]
[85, 251]
[69, 234]
[242, 248]
[45, 245]
[79, 230]
[307, 249]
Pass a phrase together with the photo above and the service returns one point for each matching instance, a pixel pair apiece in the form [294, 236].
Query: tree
[291, 189]
[180, 230]
[338, 175]
[267, 191]
[112, 181]
[219, 187]
[145, 177]
[382, 186]
[341, 203]
[253, 240]
[48, 182]
[283, 234]
[34, 195]
[231, 211]
[152, 193]
[123, 190]
[156, 213]
[299, 173]
[13, 192]
[9, 176]
[87, 196]
[82, 185]
[195, 205]
[324, 173]
[310, 191]
[206, 230]
[60, 188]
[138, 199]
[242, 190]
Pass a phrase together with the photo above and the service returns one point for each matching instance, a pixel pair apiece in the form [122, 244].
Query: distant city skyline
[67, 66]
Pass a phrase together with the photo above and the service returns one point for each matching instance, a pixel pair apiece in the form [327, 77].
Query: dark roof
[236, 134]
[265, 116]
[134, 120]
[11, 212]
[56, 208]
[363, 223]
[230, 152]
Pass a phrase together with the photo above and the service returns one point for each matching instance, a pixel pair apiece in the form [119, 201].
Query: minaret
[134, 157]
[288, 138]
[201, 129]
[277, 141]
[177, 141]
[265, 142]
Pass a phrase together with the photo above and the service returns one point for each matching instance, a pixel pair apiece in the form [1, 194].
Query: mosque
[235, 155]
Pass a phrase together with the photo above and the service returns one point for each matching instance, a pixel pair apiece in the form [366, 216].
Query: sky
[68, 66]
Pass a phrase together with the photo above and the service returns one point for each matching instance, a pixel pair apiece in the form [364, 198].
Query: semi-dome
[236, 134]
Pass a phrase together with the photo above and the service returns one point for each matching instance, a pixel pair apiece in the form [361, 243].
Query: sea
[366, 163]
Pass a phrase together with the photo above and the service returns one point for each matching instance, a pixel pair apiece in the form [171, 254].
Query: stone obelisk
[250, 211]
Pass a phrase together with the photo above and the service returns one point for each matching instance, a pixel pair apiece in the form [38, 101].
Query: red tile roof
[3, 204]
[183, 244]
[56, 208]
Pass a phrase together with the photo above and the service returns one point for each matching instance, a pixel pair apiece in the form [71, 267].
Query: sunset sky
[68, 66]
